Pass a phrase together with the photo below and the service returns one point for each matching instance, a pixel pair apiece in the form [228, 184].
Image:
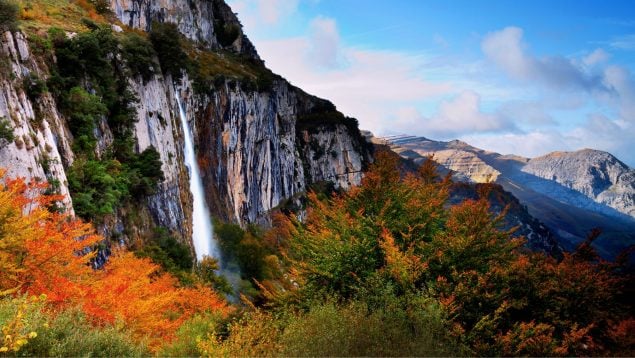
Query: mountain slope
[594, 173]
[568, 212]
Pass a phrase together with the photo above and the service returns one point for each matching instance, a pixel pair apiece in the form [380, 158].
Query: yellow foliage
[15, 230]
[13, 336]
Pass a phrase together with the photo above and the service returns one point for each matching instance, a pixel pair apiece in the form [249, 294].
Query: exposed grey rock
[194, 19]
[596, 174]
[39, 140]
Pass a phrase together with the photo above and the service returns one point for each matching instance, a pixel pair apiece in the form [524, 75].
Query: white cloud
[274, 10]
[457, 116]
[530, 144]
[596, 57]
[256, 14]
[324, 43]
[528, 113]
[598, 132]
[620, 80]
[370, 85]
[447, 97]
[507, 50]
[625, 42]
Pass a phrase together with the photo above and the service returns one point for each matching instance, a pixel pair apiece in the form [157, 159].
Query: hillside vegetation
[385, 269]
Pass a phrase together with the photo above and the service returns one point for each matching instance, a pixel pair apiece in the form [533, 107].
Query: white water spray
[202, 230]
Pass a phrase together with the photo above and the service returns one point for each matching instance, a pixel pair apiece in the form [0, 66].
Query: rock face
[253, 156]
[594, 173]
[41, 146]
[251, 153]
[197, 20]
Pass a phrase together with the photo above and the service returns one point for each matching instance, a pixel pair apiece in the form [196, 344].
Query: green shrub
[226, 34]
[245, 247]
[68, 334]
[84, 110]
[166, 39]
[6, 132]
[9, 12]
[101, 6]
[34, 86]
[352, 330]
[97, 187]
[328, 329]
[189, 334]
[139, 55]
[165, 250]
[144, 172]
[86, 56]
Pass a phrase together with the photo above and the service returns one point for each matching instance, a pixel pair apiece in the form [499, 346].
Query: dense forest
[383, 269]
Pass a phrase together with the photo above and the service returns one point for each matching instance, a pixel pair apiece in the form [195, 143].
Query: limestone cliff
[252, 151]
[41, 146]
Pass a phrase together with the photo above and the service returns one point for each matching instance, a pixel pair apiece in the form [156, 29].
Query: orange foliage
[151, 304]
[90, 9]
[499, 298]
[44, 253]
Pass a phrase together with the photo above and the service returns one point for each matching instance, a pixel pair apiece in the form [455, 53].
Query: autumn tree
[396, 236]
[48, 254]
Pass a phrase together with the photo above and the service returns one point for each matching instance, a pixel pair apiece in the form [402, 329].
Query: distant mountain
[596, 174]
[571, 193]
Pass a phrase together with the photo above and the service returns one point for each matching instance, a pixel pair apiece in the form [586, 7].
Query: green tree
[6, 132]
[166, 39]
[8, 15]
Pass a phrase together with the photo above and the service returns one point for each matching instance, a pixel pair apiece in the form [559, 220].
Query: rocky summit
[596, 174]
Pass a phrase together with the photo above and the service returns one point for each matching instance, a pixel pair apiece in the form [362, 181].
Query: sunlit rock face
[250, 155]
[41, 147]
[596, 174]
[197, 20]
[254, 156]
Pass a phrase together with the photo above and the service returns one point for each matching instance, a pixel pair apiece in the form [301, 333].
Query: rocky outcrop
[247, 143]
[596, 174]
[570, 193]
[41, 146]
[463, 159]
[200, 21]
[252, 157]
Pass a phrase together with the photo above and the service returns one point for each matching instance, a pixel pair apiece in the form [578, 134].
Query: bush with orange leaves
[395, 233]
[41, 253]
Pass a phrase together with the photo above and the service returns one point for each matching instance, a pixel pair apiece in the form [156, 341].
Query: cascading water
[202, 230]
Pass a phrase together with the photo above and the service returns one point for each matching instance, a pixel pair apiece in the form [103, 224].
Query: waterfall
[202, 230]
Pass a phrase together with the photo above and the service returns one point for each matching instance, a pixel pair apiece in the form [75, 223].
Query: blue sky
[509, 76]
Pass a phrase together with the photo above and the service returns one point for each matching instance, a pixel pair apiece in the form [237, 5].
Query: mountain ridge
[568, 212]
